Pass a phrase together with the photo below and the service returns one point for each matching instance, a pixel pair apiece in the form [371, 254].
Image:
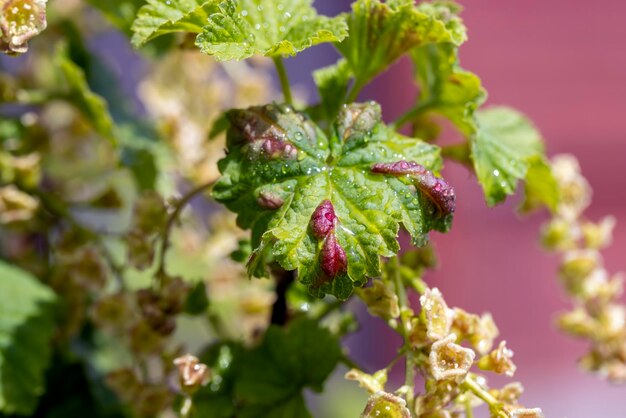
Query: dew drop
[496, 172]
[244, 13]
[257, 26]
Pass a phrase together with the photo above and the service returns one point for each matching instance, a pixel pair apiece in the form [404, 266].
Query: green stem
[411, 115]
[169, 225]
[469, 411]
[403, 302]
[496, 408]
[284, 79]
[354, 92]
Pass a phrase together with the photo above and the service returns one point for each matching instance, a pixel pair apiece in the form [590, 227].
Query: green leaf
[281, 170]
[93, 107]
[332, 83]
[245, 28]
[121, 13]
[160, 17]
[380, 33]
[502, 150]
[272, 376]
[445, 89]
[540, 187]
[216, 400]
[26, 327]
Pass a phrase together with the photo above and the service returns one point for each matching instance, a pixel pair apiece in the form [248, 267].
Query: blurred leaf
[26, 328]
[502, 150]
[445, 89]
[245, 28]
[280, 168]
[383, 32]
[93, 107]
[121, 13]
[220, 125]
[160, 17]
[540, 187]
[216, 400]
[197, 301]
[272, 376]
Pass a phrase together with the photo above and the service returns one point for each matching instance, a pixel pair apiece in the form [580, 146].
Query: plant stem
[171, 220]
[284, 79]
[354, 92]
[469, 411]
[280, 310]
[411, 115]
[495, 407]
[403, 302]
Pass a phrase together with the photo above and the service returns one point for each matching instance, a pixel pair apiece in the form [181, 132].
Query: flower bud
[575, 193]
[20, 20]
[577, 266]
[385, 405]
[372, 383]
[559, 235]
[499, 361]
[15, 205]
[480, 331]
[436, 314]
[510, 393]
[380, 300]
[192, 374]
[527, 413]
[149, 213]
[111, 311]
[450, 361]
[600, 235]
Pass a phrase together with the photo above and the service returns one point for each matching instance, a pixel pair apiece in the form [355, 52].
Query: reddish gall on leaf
[323, 219]
[436, 188]
[333, 257]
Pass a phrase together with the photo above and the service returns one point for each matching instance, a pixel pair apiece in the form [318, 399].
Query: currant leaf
[445, 89]
[159, 17]
[281, 172]
[384, 31]
[541, 189]
[245, 28]
[503, 148]
[26, 328]
[92, 106]
[273, 375]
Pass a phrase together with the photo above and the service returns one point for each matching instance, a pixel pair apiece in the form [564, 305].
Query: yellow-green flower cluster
[434, 345]
[597, 315]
